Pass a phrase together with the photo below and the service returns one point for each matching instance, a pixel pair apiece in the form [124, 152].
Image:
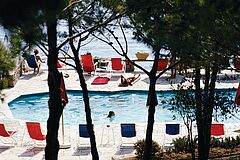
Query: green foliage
[157, 151]
[115, 6]
[227, 143]
[224, 105]
[3, 83]
[193, 29]
[6, 62]
[17, 45]
[184, 105]
[215, 142]
[182, 144]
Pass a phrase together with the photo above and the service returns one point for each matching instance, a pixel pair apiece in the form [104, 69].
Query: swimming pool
[129, 106]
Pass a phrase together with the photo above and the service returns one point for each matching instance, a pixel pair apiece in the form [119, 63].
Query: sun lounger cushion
[83, 131]
[100, 80]
[217, 129]
[172, 129]
[32, 61]
[128, 130]
[87, 63]
[162, 64]
[59, 65]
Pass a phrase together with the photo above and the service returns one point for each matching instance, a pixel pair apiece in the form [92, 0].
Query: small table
[102, 66]
[103, 63]
[108, 131]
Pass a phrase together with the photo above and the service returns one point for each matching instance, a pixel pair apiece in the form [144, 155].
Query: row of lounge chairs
[128, 130]
[33, 129]
[116, 64]
[36, 134]
[88, 65]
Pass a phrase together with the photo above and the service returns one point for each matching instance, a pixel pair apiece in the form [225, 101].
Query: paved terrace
[108, 143]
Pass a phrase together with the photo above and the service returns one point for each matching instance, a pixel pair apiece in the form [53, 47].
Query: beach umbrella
[64, 100]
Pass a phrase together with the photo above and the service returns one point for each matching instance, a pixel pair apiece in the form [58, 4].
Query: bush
[182, 144]
[227, 143]
[7, 63]
[215, 142]
[3, 83]
[157, 151]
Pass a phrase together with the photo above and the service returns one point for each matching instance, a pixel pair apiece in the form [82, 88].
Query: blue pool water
[129, 106]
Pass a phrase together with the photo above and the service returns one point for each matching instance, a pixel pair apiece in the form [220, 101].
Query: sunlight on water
[128, 107]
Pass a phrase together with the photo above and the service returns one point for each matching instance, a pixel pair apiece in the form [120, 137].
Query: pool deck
[108, 138]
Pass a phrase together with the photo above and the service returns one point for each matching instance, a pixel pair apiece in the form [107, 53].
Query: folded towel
[100, 80]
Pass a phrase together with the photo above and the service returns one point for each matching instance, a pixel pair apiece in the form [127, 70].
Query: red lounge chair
[217, 129]
[162, 64]
[59, 65]
[35, 132]
[87, 63]
[117, 65]
[7, 134]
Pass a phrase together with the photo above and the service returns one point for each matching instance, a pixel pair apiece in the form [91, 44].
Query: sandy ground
[108, 138]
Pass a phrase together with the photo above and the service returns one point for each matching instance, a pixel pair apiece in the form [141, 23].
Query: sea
[97, 47]
[100, 49]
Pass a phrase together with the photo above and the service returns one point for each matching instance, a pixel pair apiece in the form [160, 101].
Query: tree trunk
[190, 139]
[94, 151]
[152, 103]
[55, 106]
[199, 117]
[55, 112]
[205, 105]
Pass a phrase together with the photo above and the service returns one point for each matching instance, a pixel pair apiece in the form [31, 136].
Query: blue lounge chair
[83, 132]
[32, 61]
[83, 145]
[128, 130]
[84, 141]
[172, 131]
[128, 138]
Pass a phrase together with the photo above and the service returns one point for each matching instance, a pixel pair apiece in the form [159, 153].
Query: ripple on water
[128, 107]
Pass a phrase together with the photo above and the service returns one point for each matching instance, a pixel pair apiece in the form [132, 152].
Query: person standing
[38, 61]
